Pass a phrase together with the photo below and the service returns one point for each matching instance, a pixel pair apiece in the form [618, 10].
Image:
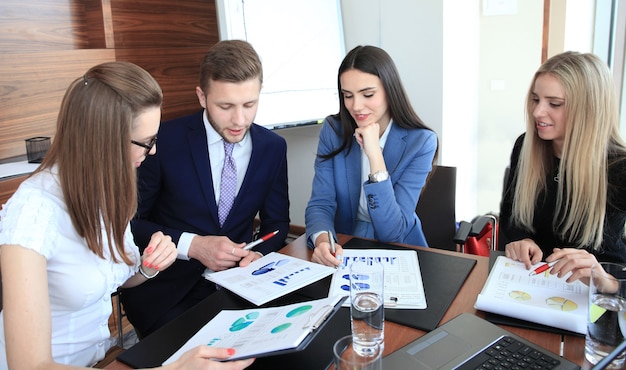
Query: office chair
[479, 236]
[436, 208]
[482, 233]
[118, 312]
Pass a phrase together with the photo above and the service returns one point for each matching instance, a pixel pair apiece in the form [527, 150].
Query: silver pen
[331, 240]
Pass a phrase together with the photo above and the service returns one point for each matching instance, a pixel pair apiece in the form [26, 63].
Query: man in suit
[183, 193]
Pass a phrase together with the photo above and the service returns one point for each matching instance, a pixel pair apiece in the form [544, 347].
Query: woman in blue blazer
[373, 158]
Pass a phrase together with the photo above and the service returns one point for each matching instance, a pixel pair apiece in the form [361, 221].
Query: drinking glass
[347, 358]
[367, 305]
[606, 324]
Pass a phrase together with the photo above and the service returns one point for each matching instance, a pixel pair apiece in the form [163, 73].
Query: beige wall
[556, 32]
[510, 52]
[467, 75]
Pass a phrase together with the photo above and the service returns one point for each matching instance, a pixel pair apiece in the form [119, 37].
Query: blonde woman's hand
[574, 260]
[525, 250]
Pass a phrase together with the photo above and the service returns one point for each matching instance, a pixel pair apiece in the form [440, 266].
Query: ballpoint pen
[542, 268]
[331, 240]
[259, 241]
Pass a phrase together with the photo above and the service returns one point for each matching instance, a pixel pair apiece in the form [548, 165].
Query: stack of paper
[544, 298]
[270, 277]
[403, 279]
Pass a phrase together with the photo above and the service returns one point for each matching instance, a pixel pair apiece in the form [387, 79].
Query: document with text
[270, 277]
[545, 299]
[404, 288]
[263, 331]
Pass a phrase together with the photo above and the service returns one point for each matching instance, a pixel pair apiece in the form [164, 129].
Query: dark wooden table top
[397, 335]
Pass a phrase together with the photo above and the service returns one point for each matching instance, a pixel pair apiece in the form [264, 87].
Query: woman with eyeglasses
[65, 239]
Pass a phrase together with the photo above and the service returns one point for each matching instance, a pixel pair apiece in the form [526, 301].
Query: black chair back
[436, 208]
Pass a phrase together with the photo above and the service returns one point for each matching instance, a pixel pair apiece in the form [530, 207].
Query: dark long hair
[375, 61]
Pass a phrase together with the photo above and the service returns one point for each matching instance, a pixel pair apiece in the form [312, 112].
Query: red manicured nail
[149, 250]
[231, 351]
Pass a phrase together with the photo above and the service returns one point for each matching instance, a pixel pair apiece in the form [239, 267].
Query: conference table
[570, 347]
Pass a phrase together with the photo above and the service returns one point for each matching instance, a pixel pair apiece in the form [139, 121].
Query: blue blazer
[176, 195]
[337, 186]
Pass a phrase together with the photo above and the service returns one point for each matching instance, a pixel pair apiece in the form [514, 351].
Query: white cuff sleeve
[184, 242]
[314, 236]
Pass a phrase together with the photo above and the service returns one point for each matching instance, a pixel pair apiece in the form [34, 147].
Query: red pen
[542, 268]
[259, 241]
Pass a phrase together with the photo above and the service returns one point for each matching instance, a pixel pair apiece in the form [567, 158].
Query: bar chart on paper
[403, 280]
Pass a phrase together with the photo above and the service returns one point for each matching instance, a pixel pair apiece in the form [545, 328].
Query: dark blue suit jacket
[176, 195]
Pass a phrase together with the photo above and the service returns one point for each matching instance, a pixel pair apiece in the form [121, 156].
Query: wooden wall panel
[31, 88]
[43, 25]
[177, 72]
[99, 24]
[45, 44]
[164, 23]
[169, 40]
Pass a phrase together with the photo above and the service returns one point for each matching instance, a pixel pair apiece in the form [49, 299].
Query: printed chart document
[403, 279]
[254, 332]
[270, 277]
[545, 299]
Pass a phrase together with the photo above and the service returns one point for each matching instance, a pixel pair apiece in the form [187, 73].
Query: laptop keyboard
[510, 354]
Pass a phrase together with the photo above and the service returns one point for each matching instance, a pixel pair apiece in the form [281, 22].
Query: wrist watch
[379, 176]
[145, 274]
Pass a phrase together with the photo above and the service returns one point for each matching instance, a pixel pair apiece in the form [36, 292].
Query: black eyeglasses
[148, 146]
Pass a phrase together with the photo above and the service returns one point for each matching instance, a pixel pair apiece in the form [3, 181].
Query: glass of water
[606, 325]
[367, 281]
[346, 358]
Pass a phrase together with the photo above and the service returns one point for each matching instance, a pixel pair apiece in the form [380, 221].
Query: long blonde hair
[91, 149]
[591, 135]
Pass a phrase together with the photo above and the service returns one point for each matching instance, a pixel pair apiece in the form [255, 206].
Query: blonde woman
[565, 199]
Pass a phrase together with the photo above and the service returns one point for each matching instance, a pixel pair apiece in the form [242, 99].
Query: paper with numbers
[403, 280]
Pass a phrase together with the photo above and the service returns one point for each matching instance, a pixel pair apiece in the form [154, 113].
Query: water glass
[346, 358]
[367, 306]
[606, 325]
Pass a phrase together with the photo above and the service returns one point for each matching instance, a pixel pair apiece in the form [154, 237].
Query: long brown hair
[91, 150]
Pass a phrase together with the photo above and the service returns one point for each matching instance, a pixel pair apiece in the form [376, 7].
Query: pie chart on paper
[561, 304]
[519, 295]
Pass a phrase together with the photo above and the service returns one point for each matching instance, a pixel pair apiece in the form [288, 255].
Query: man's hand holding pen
[219, 252]
[323, 252]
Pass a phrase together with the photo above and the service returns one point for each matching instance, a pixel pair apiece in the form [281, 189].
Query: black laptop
[468, 341]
